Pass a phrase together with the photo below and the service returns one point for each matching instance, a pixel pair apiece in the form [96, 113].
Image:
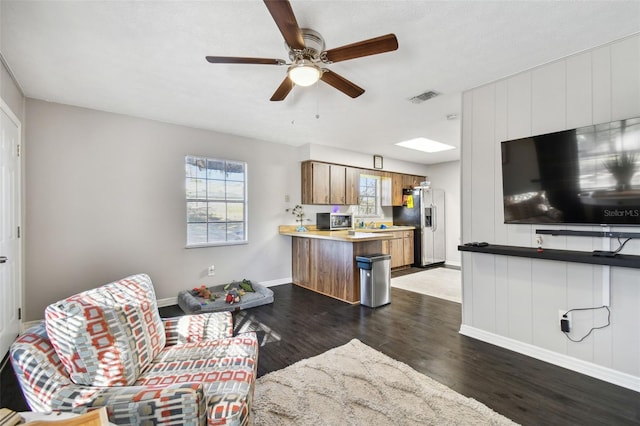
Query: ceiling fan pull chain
[317, 100]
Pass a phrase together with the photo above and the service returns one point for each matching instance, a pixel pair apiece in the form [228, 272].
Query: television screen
[589, 175]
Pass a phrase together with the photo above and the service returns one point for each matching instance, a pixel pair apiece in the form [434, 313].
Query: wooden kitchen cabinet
[329, 266]
[337, 183]
[326, 183]
[396, 250]
[396, 189]
[399, 182]
[352, 186]
[407, 245]
[301, 251]
[316, 179]
[411, 181]
[400, 247]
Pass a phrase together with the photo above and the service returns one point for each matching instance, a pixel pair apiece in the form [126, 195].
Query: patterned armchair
[109, 347]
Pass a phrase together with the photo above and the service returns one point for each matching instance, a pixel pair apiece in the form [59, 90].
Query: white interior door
[10, 251]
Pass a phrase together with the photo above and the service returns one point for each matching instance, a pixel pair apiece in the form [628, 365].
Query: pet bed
[191, 303]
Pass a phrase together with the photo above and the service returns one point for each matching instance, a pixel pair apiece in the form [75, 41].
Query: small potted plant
[298, 212]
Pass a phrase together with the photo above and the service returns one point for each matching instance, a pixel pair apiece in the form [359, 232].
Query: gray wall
[514, 302]
[446, 176]
[11, 93]
[106, 199]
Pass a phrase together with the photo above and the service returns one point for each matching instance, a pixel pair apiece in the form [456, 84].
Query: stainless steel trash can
[375, 279]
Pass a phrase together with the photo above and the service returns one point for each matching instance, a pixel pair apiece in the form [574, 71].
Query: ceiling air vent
[424, 97]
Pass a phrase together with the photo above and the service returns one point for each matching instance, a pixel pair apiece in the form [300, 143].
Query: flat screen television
[589, 176]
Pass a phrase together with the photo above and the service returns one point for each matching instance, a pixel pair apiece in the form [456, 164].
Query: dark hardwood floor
[422, 332]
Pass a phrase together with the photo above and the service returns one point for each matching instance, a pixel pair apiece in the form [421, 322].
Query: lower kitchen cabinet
[408, 248]
[400, 248]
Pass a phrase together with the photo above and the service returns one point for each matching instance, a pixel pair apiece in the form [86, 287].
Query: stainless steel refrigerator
[424, 208]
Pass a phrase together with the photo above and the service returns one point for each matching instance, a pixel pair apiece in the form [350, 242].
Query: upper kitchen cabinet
[337, 184]
[396, 189]
[316, 178]
[352, 186]
[324, 183]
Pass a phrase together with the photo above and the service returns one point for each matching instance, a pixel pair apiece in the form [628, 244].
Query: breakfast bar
[325, 261]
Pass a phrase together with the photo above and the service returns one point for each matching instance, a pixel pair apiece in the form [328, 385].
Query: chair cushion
[108, 335]
[225, 367]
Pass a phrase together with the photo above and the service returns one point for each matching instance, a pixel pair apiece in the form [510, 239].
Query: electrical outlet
[562, 317]
[212, 270]
[287, 198]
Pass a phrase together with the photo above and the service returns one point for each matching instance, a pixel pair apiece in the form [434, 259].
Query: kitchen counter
[358, 234]
[324, 261]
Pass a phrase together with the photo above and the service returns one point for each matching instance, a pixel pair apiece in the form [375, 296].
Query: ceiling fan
[308, 55]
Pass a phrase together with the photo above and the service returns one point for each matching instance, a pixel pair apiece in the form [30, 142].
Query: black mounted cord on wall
[565, 325]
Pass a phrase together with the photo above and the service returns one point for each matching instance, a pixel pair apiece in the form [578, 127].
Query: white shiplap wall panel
[548, 98]
[625, 318]
[467, 287]
[548, 292]
[466, 205]
[601, 340]
[466, 173]
[579, 91]
[625, 79]
[584, 288]
[519, 104]
[484, 292]
[501, 114]
[520, 235]
[502, 295]
[519, 126]
[483, 184]
[601, 84]
[521, 298]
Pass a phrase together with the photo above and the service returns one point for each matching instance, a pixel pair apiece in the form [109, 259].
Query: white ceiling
[146, 59]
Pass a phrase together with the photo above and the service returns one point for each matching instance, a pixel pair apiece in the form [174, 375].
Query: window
[216, 201]
[369, 196]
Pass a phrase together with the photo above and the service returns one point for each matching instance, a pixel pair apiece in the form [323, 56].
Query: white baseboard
[280, 281]
[28, 324]
[599, 372]
[167, 301]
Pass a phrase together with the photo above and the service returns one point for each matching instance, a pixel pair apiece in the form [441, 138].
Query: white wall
[446, 176]
[106, 199]
[514, 302]
[357, 159]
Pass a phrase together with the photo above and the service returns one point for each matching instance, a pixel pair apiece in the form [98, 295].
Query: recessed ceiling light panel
[425, 145]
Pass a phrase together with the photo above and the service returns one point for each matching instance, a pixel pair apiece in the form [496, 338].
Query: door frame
[20, 200]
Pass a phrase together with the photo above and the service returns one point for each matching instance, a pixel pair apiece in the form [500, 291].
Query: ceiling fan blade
[373, 46]
[238, 60]
[341, 83]
[283, 90]
[282, 13]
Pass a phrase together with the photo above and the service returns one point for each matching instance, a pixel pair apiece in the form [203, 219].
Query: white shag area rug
[444, 283]
[354, 384]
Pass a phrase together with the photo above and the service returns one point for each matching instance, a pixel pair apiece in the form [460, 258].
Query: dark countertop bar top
[622, 260]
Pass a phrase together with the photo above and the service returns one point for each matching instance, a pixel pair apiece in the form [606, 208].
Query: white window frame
[194, 193]
[378, 198]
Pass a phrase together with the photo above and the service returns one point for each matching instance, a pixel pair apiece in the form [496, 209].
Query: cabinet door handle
[3, 259]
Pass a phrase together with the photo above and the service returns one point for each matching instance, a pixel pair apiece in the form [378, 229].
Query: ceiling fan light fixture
[303, 72]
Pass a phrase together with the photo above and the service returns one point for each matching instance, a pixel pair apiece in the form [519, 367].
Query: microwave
[333, 221]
